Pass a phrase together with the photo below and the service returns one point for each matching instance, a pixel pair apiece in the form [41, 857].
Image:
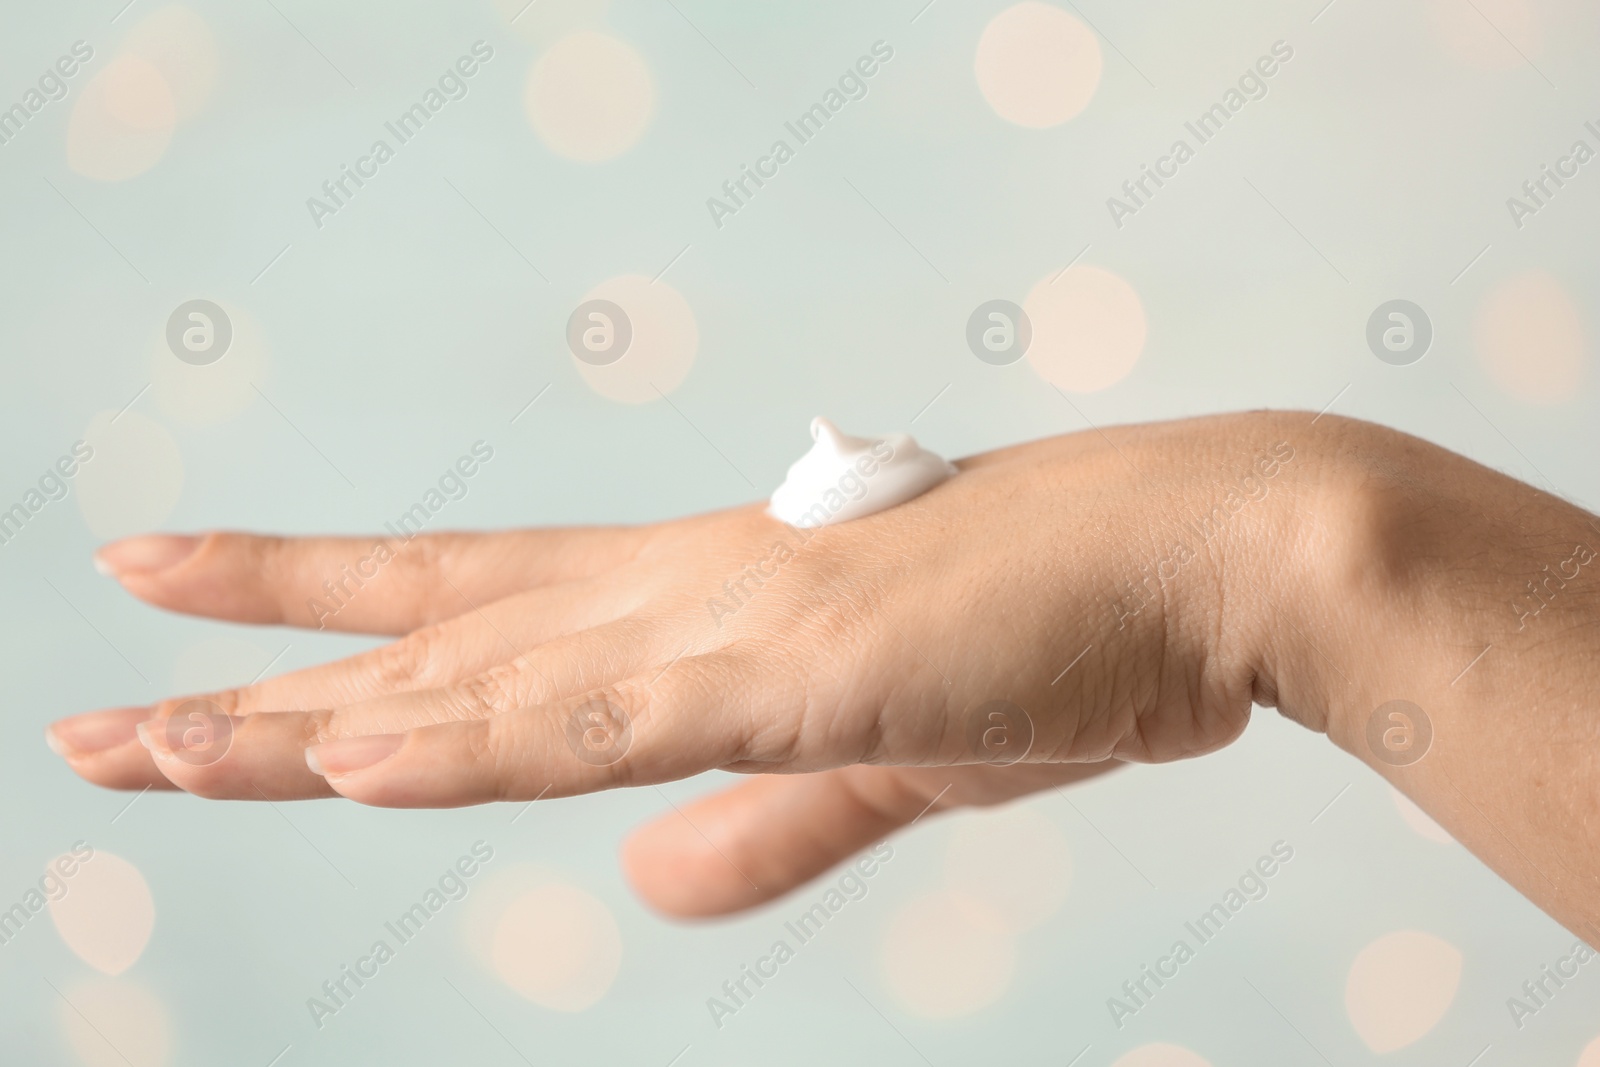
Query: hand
[1130, 591]
[728, 641]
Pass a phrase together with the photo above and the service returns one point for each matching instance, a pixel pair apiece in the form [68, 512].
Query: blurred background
[353, 343]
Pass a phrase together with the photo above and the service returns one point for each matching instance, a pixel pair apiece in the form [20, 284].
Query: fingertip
[94, 731]
[122, 767]
[660, 875]
[147, 554]
[677, 872]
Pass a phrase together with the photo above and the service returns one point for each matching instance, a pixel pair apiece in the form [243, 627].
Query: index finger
[384, 584]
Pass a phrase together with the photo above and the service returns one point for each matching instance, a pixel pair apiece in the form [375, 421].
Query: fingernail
[144, 555]
[94, 731]
[154, 741]
[333, 758]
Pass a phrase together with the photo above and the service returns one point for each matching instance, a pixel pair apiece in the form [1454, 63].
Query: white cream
[844, 477]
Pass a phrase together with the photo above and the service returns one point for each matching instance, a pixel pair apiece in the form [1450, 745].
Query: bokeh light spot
[590, 96]
[947, 954]
[122, 123]
[106, 914]
[134, 478]
[178, 42]
[205, 394]
[1400, 986]
[663, 347]
[1088, 329]
[1037, 66]
[1530, 338]
[1161, 1055]
[558, 947]
[114, 1024]
[1419, 820]
[1015, 860]
[1472, 33]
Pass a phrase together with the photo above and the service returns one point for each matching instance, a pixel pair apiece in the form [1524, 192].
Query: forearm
[1422, 577]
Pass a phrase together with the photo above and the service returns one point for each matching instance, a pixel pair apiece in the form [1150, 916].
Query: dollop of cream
[844, 477]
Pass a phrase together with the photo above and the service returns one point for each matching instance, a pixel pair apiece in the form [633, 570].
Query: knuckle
[495, 691]
[272, 558]
[319, 726]
[495, 750]
[415, 558]
[223, 702]
[409, 663]
[419, 565]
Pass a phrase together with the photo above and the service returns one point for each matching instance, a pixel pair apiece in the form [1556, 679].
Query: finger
[264, 754]
[746, 845]
[443, 654]
[103, 747]
[381, 584]
[634, 734]
[219, 756]
[756, 841]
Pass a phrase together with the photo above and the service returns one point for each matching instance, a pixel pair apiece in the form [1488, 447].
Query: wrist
[1308, 575]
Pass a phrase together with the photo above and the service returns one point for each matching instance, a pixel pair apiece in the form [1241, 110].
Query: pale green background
[406, 329]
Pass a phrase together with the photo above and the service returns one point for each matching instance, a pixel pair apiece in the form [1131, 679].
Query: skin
[1132, 591]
